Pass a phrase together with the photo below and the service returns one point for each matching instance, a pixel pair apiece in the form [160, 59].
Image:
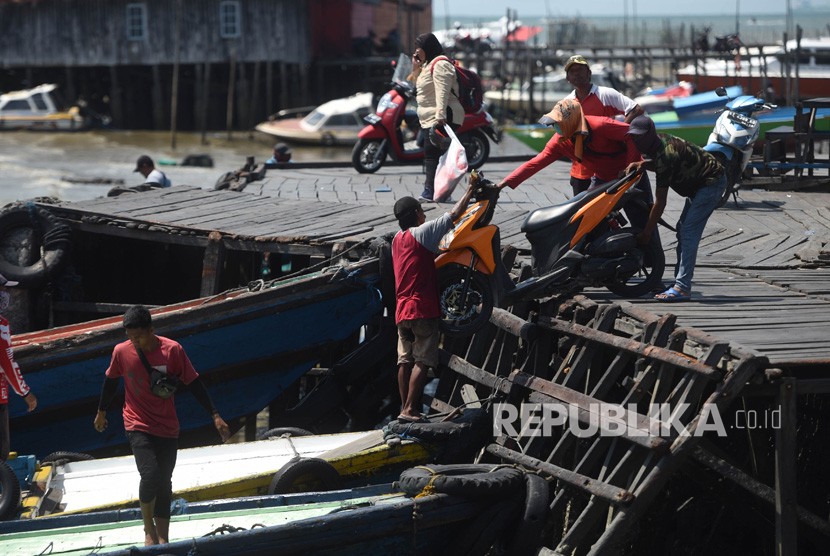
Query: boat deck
[763, 273]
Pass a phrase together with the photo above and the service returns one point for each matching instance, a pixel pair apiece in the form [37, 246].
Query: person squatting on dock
[600, 144]
[416, 290]
[694, 174]
[150, 421]
[10, 374]
[437, 96]
[595, 101]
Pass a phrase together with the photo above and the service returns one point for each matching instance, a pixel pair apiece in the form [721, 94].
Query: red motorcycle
[386, 135]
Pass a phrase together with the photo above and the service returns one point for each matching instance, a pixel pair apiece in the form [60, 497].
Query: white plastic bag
[451, 167]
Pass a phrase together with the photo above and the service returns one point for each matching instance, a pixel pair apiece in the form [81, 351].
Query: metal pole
[174, 95]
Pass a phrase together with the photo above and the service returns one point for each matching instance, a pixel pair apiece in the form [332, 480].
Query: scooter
[385, 135]
[733, 138]
[581, 242]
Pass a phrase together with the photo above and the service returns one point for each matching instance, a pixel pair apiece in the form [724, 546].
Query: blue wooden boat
[248, 346]
[360, 521]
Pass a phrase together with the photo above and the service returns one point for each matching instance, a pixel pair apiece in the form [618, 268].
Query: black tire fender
[283, 431]
[527, 538]
[60, 458]
[9, 492]
[305, 474]
[50, 235]
[473, 481]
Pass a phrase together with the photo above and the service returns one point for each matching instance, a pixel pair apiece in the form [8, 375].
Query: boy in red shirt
[151, 422]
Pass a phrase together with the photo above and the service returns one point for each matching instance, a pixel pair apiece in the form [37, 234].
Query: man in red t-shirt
[416, 290]
[150, 421]
[9, 372]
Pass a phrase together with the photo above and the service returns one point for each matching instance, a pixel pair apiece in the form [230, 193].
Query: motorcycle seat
[549, 216]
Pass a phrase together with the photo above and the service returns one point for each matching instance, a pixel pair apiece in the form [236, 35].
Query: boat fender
[9, 492]
[305, 475]
[527, 538]
[474, 481]
[468, 426]
[61, 458]
[51, 238]
[283, 431]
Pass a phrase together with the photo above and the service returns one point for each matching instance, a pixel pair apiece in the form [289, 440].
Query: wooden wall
[93, 33]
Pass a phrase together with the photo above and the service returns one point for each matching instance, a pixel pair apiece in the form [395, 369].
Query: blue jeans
[690, 227]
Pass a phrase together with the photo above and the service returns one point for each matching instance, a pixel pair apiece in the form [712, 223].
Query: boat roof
[25, 93]
[345, 105]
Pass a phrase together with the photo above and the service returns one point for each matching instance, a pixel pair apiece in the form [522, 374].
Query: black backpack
[470, 90]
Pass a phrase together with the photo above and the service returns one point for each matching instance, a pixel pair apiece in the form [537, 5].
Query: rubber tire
[59, 458]
[328, 139]
[38, 273]
[9, 492]
[732, 177]
[476, 142]
[527, 538]
[473, 481]
[450, 279]
[652, 251]
[279, 431]
[320, 470]
[357, 155]
[457, 430]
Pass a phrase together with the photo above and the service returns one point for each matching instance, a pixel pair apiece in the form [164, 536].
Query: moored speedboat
[40, 108]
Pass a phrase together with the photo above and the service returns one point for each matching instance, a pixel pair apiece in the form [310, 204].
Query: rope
[429, 488]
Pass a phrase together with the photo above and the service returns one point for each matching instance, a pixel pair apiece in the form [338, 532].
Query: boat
[661, 98]
[369, 520]
[40, 108]
[71, 486]
[249, 344]
[548, 89]
[692, 118]
[336, 122]
[768, 67]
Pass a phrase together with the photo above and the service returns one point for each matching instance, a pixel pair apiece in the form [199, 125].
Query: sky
[558, 8]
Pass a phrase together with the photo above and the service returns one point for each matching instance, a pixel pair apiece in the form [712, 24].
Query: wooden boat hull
[214, 472]
[363, 521]
[694, 128]
[248, 346]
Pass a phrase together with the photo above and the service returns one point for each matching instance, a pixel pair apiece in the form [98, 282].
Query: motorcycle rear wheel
[477, 148]
[368, 155]
[466, 304]
[650, 276]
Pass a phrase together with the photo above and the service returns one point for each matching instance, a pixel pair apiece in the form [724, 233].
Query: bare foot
[150, 537]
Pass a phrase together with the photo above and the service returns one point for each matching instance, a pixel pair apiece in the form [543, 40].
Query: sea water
[651, 30]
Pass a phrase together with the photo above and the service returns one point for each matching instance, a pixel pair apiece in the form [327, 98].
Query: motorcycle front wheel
[648, 278]
[477, 147]
[466, 300]
[368, 155]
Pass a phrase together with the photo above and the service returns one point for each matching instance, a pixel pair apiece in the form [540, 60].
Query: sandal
[407, 419]
[673, 295]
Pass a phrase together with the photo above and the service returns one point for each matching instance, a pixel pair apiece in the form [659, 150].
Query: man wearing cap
[147, 168]
[601, 144]
[694, 174]
[282, 155]
[595, 101]
[10, 374]
[416, 290]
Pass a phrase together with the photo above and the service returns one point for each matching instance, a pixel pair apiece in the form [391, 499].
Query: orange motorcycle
[579, 243]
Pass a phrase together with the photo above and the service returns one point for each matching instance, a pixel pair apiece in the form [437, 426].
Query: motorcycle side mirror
[720, 91]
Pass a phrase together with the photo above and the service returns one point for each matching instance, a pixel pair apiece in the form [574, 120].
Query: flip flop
[673, 295]
[407, 419]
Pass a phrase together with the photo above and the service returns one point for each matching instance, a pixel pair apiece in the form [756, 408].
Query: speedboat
[336, 122]
[40, 108]
[768, 66]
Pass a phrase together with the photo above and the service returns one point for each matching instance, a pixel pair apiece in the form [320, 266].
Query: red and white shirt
[10, 374]
[143, 410]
